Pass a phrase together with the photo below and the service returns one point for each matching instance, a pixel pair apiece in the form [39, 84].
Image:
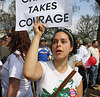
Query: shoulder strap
[62, 85]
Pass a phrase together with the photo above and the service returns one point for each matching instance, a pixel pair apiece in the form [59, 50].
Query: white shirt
[51, 79]
[84, 55]
[95, 53]
[0, 63]
[13, 67]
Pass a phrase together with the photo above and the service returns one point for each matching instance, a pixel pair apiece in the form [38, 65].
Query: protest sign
[53, 13]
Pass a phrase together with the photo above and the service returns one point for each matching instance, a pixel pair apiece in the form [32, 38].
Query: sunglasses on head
[9, 34]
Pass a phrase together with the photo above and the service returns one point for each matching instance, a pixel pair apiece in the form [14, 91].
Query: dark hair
[20, 41]
[71, 38]
[93, 41]
[84, 43]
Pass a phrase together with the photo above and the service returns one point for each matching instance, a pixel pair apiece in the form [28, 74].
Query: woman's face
[61, 46]
[8, 38]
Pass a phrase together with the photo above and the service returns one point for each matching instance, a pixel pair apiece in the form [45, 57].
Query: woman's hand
[78, 63]
[38, 28]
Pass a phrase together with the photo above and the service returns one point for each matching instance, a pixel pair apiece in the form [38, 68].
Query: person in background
[8, 36]
[99, 51]
[13, 83]
[50, 52]
[98, 80]
[4, 49]
[84, 56]
[43, 51]
[50, 74]
[75, 61]
[93, 51]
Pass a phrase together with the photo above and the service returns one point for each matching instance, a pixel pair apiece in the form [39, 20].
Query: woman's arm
[14, 85]
[32, 68]
[80, 90]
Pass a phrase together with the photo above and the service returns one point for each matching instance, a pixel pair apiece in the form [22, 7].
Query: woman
[49, 75]
[14, 84]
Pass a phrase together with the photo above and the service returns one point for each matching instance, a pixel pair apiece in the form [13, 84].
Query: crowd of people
[22, 63]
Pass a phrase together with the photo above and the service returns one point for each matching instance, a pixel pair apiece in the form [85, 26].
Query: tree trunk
[98, 1]
[98, 31]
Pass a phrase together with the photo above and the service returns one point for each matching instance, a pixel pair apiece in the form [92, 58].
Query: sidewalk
[94, 93]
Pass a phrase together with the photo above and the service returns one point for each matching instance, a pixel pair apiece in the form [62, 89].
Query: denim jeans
[87, 75]
[93, 74]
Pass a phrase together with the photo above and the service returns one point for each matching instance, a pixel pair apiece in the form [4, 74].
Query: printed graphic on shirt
[44, 52]
[68, 91]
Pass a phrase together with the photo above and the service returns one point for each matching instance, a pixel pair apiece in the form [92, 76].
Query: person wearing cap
[93, 51]
[43, 51]
[84, 56]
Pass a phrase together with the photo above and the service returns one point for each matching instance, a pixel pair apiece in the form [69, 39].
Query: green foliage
[6, 21]
[62, 93]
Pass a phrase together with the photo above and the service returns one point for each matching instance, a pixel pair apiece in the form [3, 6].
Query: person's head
[42, 42]
[63, 44]
[7, 41]
[19, 41]
[8, 37]
[3, 41]
[86, 42]
[95, 43]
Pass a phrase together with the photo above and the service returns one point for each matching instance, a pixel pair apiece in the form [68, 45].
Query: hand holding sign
[92, 61]
[38, 27]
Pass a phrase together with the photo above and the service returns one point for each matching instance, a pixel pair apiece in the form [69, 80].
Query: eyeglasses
[9, 34]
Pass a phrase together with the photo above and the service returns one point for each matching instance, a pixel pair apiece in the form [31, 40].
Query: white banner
[53, 13]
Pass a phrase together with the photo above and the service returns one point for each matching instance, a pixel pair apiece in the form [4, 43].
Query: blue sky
[85, 8]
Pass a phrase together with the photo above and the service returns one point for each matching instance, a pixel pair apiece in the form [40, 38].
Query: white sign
[53, 13]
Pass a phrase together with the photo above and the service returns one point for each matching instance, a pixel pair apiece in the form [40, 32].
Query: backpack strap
[62, 85]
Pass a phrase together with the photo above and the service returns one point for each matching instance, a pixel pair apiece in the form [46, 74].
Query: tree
[98, 1]
[2, 4]
[7, 19]
[87, 27]
[48, 34]
[97, 8]
[12, 8]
